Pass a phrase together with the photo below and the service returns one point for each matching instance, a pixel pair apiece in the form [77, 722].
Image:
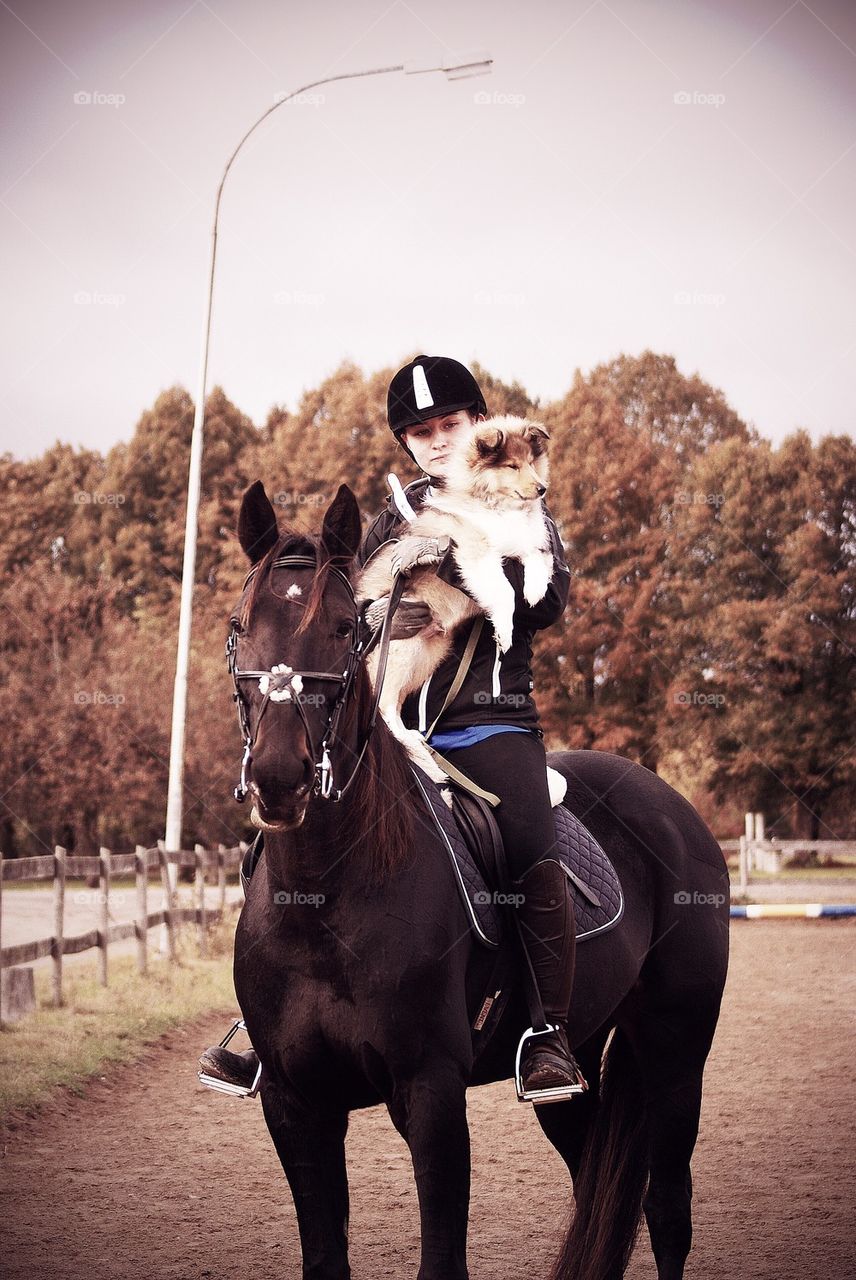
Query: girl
[490, 730]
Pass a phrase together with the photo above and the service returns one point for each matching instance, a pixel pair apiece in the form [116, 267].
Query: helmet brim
[432, 411]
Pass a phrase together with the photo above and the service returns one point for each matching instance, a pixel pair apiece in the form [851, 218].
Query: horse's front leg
[311, 1148]
[430, 1112]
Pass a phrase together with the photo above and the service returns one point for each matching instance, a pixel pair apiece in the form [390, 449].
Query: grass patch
[802, 873]
[97, 1026]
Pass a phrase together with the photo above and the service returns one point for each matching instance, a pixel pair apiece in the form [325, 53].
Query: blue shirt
[472, 734]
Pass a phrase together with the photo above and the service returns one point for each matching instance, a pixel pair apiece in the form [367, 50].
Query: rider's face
[431, 442]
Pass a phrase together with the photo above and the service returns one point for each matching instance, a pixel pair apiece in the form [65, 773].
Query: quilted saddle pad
[595, 887]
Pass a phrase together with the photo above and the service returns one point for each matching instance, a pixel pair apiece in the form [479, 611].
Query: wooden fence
[760, 852]
[59, 866]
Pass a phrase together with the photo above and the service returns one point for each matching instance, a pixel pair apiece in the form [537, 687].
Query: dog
[489, 504]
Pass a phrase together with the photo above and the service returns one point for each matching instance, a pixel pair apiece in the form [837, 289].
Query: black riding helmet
[428, 387]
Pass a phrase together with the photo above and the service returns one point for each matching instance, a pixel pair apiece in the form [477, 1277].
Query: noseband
[281, 684]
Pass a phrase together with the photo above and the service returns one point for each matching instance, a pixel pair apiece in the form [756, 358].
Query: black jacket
[498, 686]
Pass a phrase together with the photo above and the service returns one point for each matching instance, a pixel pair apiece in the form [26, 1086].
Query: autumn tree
[136, 526]
[601, 675]
[710, 626]
[680, 412]
[764, 647]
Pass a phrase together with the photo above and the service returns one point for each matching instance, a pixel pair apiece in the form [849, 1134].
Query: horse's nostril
[283, 784]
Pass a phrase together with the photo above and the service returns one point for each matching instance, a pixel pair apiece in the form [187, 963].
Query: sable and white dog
[490, 506]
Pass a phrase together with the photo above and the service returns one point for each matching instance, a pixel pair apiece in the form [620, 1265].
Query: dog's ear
[537, 437]
[489, 442]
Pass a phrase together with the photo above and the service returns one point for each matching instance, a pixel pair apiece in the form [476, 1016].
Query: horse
[357, 974]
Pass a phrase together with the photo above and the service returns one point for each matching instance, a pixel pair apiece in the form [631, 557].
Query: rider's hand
[411, 617]
[412, 551]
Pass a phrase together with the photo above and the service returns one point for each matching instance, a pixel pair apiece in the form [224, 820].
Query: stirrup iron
[558, 1093]
[223, 1086]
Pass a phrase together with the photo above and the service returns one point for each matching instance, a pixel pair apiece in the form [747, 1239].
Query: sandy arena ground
[151, 1175]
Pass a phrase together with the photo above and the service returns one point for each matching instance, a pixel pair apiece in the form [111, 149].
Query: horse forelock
[290, 543]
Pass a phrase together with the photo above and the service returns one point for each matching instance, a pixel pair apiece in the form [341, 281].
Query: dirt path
[152, 1176]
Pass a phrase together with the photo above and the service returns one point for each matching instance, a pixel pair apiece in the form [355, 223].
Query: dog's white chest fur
[507, 532]
[485, 536]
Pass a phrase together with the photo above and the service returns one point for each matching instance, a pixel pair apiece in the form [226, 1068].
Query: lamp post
[455, 68]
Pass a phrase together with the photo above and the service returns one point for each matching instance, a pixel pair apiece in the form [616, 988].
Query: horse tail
[612, 1176]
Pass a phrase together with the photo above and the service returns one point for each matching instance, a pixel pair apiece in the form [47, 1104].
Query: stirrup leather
[558, 1093]
[223, 1086]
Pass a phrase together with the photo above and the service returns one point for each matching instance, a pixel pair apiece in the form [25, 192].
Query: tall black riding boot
[546, 917]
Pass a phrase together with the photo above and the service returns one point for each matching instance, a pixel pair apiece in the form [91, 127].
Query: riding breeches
[514, 767]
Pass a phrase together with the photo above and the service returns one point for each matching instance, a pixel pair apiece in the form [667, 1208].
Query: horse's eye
[344, 629]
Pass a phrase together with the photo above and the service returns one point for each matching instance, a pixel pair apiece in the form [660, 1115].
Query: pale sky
[672, 174]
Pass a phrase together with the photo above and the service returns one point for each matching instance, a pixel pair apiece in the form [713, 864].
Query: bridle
[281, 684]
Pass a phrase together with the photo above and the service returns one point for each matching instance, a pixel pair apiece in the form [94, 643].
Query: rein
[281, 684]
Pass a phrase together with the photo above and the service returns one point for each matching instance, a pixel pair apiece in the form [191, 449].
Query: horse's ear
[257, 527]
[342, 528]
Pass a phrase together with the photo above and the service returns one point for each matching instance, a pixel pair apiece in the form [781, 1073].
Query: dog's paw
[435, 773]
[503, 633]
[536, 580]
[414, 744]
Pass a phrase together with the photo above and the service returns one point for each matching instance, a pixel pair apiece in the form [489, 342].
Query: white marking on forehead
[294, 590]
[421, 390]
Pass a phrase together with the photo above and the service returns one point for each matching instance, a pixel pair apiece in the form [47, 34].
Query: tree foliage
[710, 632]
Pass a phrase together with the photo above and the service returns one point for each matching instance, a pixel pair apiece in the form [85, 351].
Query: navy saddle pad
[595, 887]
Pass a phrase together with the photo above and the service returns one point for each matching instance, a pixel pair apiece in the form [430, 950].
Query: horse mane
[382, 801]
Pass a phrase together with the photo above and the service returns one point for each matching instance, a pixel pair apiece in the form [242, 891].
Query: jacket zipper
[496, 688]
[423, 705]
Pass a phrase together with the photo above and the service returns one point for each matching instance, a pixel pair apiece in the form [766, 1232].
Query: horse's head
[292, 638]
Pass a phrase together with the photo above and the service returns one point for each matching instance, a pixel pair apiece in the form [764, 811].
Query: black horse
[359, 979]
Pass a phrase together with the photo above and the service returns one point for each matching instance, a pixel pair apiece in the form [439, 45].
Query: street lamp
[455, 68]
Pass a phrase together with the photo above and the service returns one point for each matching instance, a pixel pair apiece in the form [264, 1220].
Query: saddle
[473, 843]
[472, 840]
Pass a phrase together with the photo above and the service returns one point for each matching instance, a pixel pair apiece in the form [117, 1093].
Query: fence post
[221, 879]
[744, 865]
[59, 923]
[759, 828]
[141, 870]
[166, 884]
[749, 823]
[1, 935]
[104, 903]
[199, 855]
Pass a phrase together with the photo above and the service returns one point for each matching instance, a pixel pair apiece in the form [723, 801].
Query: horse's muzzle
[282, 816]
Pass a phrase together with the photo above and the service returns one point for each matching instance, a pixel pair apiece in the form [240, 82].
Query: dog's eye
[514, 466]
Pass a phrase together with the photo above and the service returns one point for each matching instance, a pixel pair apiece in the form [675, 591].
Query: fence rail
[759, 852]
[59, 867]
